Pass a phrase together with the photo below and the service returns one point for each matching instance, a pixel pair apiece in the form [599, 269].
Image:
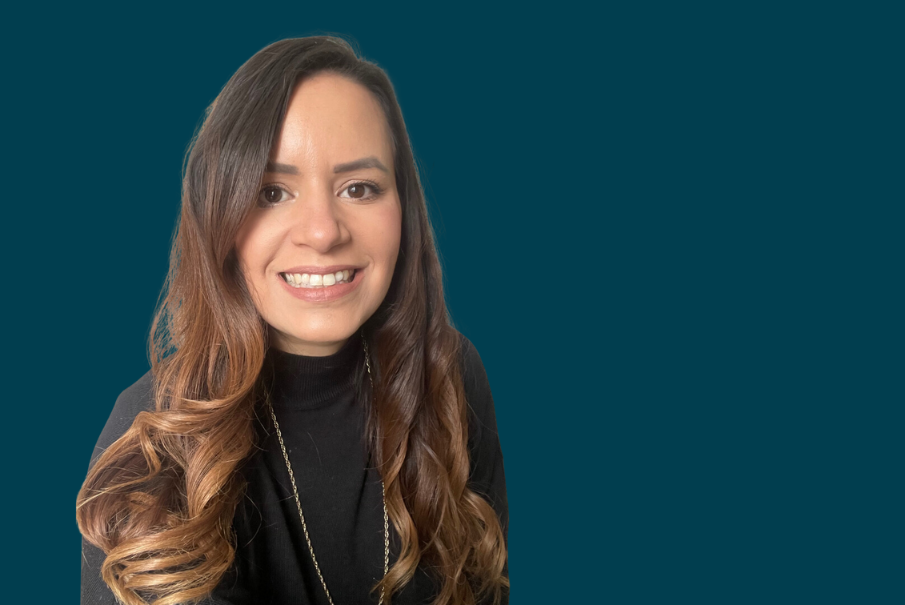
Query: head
[328, 198]
[304, 162]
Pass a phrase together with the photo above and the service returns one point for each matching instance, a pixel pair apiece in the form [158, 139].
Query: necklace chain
[298, 503]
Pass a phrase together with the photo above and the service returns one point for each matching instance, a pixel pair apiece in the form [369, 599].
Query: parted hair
[160, 500]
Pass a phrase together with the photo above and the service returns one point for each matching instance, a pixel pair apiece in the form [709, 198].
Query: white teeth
[313, 280]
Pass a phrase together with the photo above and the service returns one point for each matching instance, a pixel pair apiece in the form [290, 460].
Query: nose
[317, 220]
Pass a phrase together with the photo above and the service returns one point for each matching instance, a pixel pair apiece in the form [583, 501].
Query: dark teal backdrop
[673, 234]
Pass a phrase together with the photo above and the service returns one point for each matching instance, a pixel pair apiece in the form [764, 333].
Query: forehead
[331, 118]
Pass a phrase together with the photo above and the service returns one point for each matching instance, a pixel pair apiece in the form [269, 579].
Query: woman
[312, 429]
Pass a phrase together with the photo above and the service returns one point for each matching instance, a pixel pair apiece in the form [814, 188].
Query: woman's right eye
[270, 195]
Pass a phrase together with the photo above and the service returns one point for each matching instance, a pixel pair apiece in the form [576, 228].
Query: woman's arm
[94, 591]
[130, 402]
[487, 476]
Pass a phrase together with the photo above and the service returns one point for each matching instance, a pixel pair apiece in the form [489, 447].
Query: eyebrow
[368, 162]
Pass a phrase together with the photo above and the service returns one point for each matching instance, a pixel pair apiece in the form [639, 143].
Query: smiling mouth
[314, 281]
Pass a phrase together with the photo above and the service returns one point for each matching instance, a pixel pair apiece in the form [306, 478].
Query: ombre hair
[160, 500]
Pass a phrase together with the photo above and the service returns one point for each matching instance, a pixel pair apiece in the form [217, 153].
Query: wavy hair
[161, 499]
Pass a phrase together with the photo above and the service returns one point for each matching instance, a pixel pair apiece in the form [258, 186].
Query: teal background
[674, 235]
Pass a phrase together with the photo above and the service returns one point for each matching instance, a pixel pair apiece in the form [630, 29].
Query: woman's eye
[357, 191]
[271, 194]
[274, 194]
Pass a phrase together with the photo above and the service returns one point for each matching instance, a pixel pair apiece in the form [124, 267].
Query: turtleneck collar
[304, 382]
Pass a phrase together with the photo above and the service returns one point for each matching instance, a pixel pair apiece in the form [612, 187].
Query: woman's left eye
[357, 191]
[270, 195]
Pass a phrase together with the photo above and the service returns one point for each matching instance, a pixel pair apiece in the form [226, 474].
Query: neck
[312, 381]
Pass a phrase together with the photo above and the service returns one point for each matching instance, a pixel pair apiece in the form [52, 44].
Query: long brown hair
[161, 499]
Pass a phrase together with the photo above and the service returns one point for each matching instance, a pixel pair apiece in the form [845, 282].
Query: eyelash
[374, 187]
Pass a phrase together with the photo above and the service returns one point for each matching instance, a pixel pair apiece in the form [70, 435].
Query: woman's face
[328, 198]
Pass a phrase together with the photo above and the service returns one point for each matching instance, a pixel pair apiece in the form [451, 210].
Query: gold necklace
[295, 492]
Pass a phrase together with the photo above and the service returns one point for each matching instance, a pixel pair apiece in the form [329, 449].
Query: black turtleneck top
[316, 403]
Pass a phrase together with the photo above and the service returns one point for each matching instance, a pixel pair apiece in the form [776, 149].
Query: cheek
[250, 257]
[242, 245]
[253, 243]
[243, 256]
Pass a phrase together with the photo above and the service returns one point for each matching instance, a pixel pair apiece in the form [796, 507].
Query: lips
[294, 279]
[325, 293]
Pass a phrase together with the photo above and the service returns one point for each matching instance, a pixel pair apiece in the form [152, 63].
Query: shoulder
[481, 412]
[137, 397]
[473, 372]
[486, 472]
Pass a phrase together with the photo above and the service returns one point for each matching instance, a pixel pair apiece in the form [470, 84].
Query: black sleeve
[138, 397]
[94, 590]
[487, 476]
[130, 402]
